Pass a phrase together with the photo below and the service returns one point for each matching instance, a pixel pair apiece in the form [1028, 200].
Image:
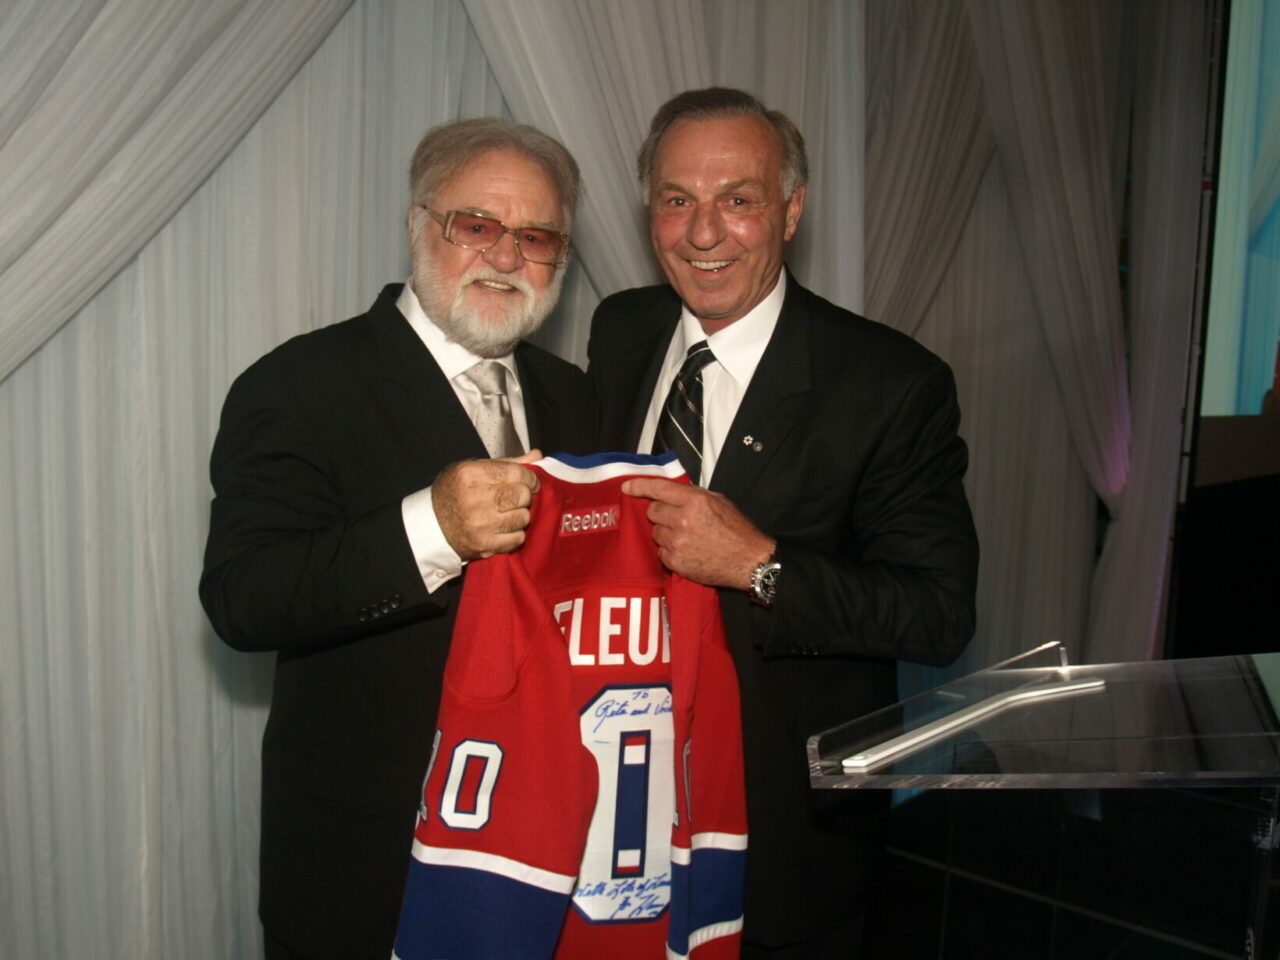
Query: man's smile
[495, 285]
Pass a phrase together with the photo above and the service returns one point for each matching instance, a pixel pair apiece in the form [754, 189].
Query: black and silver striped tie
[680, 425]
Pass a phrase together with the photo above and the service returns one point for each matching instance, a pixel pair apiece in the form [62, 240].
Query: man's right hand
[483, 505]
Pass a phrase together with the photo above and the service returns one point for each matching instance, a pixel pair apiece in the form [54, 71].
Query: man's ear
[795, 207]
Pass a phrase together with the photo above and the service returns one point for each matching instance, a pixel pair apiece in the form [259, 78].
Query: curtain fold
[1129, 584]
[1050, 75]
[35, 39]
[1031, 500]
[122, 111]
[929, 145]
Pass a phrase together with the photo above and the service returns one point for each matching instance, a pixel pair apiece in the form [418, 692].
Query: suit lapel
[771, 406]
[635, 369]
[541, 412]
[644, 364]
[427, 400]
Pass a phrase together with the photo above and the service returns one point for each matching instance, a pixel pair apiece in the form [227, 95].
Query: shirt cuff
[438, 563]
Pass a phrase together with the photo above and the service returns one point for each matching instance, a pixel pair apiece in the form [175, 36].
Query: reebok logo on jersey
[594, 520]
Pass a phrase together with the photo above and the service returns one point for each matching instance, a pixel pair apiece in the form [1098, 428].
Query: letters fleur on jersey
[619, 630]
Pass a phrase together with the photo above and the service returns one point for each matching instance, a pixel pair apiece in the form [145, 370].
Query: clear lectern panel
[1036, 721]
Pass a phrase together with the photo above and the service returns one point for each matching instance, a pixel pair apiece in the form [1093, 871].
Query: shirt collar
[739, 346]
[451, 357]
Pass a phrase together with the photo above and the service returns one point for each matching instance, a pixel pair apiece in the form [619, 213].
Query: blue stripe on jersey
[448, 913]
[715, 897]
[631, 814]
[592, 460]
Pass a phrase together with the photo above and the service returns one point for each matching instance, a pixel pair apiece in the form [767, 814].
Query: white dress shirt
[437, 561]
[737, 349]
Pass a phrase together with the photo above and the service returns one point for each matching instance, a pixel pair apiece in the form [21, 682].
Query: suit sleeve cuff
[438, 563]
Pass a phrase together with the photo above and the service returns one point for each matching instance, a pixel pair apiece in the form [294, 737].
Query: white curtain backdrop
[187, 185]
[1050, 79]
[929, 146]
[114, 112]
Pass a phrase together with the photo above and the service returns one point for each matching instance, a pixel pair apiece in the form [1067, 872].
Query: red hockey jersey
[585, 792]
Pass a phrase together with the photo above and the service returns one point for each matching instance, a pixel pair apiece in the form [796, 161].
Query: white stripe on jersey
[491, 863]
[608, 469]
[706, 934]
[708, 841]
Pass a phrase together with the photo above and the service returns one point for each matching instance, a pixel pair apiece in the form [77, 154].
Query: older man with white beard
[357, 470]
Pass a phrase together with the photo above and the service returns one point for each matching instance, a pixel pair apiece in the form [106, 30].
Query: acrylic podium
[1154, 787]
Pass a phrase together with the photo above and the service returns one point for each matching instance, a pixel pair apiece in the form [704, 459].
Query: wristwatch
[764, 582]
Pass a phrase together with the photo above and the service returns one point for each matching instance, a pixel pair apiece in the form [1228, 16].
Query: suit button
[386, 606]
[363, 615]
[395, 601]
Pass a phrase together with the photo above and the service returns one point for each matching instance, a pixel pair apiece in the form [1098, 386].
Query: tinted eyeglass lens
[473, 231]
[541, 246]
[481, 233]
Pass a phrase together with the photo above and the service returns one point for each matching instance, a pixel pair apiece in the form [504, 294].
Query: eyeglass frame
[446, 221]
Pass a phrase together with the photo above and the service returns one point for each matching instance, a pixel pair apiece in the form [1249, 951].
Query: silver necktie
[493, 422]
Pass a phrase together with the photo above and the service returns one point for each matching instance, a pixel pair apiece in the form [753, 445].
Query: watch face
[765, 582]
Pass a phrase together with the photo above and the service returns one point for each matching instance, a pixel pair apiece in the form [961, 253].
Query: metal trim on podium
[1035, 721]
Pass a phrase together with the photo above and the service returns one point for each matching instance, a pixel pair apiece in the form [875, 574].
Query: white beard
[487, 333]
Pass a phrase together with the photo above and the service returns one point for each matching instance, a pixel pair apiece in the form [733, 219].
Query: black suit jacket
[854, 465]
[319, 442]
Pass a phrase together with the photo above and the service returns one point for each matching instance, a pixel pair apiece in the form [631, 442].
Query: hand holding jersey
[483, 505]
[700, 534]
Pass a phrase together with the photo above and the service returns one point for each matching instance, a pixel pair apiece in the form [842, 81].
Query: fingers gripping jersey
[585, 792]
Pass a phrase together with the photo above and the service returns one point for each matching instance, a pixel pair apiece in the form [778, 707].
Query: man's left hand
[701, 535]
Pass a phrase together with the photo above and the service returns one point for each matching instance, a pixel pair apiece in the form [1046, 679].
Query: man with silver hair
[830, 512]
[357, 469]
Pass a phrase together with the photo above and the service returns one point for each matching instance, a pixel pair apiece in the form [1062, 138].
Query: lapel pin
[755, 445]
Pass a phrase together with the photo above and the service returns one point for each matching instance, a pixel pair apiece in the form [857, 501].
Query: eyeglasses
[478, 233]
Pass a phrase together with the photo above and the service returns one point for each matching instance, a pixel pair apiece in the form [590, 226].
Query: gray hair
[447, 149]
[714, 103]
